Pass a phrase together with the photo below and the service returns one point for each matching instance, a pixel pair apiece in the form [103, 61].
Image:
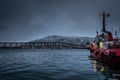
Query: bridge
[42, 45]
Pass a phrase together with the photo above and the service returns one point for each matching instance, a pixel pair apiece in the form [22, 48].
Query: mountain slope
[65, 39]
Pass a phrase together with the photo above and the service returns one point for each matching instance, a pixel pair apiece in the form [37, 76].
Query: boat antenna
[116, 34]
[97, 33]
[104, 15]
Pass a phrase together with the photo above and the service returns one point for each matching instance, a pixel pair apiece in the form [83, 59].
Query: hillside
[65, 39]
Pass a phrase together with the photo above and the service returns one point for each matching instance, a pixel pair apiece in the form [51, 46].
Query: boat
[105, 48]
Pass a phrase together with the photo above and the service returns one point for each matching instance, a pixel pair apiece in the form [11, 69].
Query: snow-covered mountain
[65, 39]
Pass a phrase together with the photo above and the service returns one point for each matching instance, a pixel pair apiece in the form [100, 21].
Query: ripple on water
[46, 64]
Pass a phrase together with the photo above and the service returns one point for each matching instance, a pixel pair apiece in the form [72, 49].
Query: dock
[40, 45]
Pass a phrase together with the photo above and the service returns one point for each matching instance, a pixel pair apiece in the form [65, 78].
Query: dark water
[46, 64]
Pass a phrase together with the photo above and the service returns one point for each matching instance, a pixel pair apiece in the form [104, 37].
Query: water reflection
[110, 72]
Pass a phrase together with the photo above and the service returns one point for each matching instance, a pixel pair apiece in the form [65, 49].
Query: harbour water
[47, 64]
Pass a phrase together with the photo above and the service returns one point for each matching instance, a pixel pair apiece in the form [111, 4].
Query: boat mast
[104, 19]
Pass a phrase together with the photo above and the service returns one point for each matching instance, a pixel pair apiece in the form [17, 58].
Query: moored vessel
[105, 48]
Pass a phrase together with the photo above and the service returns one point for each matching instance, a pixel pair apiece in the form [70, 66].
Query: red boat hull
[106, 57]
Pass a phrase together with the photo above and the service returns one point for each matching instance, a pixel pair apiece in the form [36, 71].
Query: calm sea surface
[46, 64]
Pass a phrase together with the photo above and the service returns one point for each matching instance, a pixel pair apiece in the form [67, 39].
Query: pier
[39, 45]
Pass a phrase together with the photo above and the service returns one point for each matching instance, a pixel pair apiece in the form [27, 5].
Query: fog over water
[26, 20]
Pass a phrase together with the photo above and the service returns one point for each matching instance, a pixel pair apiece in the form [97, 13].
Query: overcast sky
[25, 20]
